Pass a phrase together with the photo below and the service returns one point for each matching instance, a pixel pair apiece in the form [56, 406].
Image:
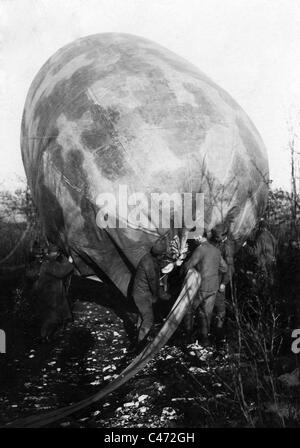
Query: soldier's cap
[262, 223]
[37, 250]
[218, 233]
[52, 248]
[159, 247]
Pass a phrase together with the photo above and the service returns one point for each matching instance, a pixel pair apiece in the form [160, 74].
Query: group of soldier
[49, 275]
[213, 259]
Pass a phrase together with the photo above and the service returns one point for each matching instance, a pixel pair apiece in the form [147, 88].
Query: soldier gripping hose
[146, 287]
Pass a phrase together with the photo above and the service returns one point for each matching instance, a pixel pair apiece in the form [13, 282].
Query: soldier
[225, 244]
[146, 287]
[262, 248]
[33, 268]
[265, 250]
[32, 273]
[207, 259]
[51, 291]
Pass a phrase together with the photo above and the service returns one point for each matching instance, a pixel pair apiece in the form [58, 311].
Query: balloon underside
[114, 109]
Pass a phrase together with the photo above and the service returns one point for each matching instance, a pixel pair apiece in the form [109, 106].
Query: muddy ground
[181, 387]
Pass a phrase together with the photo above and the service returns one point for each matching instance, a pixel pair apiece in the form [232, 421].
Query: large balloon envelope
[113, 110]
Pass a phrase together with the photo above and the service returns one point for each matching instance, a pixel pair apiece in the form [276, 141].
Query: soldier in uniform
[221, 240]
[146, 287]
[51, 291]
[265, 250]
[207, 259]
[33, 268]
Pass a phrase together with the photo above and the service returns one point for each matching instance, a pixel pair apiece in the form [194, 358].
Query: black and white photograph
[149, 216]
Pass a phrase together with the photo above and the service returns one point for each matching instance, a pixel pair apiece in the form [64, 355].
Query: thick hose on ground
[189, 290]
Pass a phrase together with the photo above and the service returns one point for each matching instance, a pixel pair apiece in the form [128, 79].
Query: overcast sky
[251, 48]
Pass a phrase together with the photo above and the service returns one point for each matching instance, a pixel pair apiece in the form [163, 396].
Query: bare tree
[293, 136]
